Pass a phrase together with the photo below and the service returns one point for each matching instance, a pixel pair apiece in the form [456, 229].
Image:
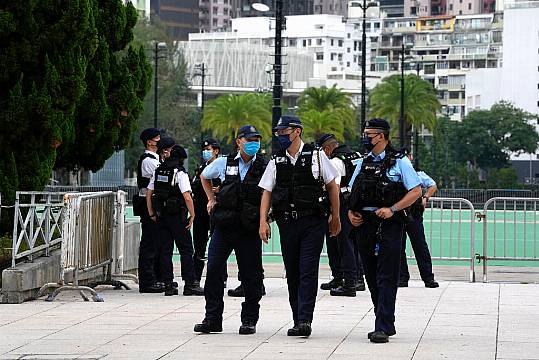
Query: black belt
[296, 214]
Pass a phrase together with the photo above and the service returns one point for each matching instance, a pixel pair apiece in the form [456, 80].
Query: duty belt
[295, 215]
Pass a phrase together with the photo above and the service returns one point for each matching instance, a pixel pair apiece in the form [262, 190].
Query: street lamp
[200, 70]
[364, 6]
[277, 65]
[402, 130]
[416, 133]
[160, 47]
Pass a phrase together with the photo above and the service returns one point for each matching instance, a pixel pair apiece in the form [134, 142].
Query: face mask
[207, 155]
[251, 147]
[284, 141]
[366, 141]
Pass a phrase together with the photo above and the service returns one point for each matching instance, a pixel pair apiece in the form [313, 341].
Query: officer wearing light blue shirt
[384, 184]
[416, 233]
[217, 169]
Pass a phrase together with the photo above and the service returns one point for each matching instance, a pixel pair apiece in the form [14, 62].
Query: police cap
[178, 152]
[325, 138]
[210, 142]
[248, 131]
[377, 123]
[287, 121]
[148, 134]
[165, 143]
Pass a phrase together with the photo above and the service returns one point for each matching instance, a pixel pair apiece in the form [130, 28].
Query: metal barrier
[130, 190]
[516, 239]
[36, 223]
[87, 243]
[447, 221]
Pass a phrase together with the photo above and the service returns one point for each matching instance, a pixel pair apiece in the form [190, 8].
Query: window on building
[332, 56]
[215, 10]
[469, 6]
[304, 42]
[348, 64]
[309, 42]
[454, 95]
[332, 42]
[214, 21]
[292, 42]
[341, 43]
[318, 42]
[348, 35]
[339, 57]
[347, 50]
[413, 10]
[319, 56]
[443, 80]
[225, 11]
[450, 7]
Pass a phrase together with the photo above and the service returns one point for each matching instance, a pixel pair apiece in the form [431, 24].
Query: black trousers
[149, 247]
[416, 233]
[172, 230]
[201, 228]
[342, 255]
[248, 249]
[301, 244]
[382, 266]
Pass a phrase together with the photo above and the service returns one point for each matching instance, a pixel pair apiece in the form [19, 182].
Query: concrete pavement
[459, 320]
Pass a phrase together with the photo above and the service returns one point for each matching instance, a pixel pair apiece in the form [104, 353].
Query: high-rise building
[179, 16]
[392, 8]
[448, 7]
[243, 8]
[215, 15]
[335, 7]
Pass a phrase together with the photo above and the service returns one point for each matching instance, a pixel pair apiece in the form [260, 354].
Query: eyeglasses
[283, 132]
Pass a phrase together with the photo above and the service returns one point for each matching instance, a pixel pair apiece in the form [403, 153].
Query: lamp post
[277, 66]
[364, 8]
[160, 47]
[402, 130]
[201, 71]
[416, 133]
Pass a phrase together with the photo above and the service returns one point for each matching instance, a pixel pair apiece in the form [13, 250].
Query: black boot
[170, 290]
[333, 284]
[237, 292]
[155, 288]
[263, 290]
[207, 327]
[247, 327]
[193, 289]
[344, 290]
[360, 285]
[431, 284]
[302, 328]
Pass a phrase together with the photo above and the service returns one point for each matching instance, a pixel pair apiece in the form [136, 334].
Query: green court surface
[510, 233]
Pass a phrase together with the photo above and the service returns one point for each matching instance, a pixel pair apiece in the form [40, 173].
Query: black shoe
[403, 283]
[360, 285]
[247, 328]
[170, 290]
[175, 284]
[302, 328]
[369, 335]
[333, 284]
[153, 289]
[263, 290]
[379, 337]
[207, 327]
[192, 289]
[237, 292]
[343, 290]
[431, 284]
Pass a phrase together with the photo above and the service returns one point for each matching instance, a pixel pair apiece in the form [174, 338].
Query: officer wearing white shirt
[293, 185]
[147, 164]
[169, 204]
[344, 259]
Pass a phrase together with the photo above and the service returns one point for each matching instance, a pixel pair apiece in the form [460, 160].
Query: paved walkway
[459, 320]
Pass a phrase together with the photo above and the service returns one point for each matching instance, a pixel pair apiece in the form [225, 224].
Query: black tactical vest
[142, 182]
[348, 157]
[167, 196]
[238, 202]
[372, 187]
[297, 192]
[199, 196]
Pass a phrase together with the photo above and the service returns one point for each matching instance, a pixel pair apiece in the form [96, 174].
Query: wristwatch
[393, 209]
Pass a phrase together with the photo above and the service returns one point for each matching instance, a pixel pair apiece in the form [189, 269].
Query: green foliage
[69, 92]
[226, 114]
[420, 102]
[327, 110]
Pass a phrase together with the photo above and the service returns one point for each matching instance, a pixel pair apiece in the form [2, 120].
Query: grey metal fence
[510, 230]
[130, 190]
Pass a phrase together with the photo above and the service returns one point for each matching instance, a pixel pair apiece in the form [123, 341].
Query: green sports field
[510, 233]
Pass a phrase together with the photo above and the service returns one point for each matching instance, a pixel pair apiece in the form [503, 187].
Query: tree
[420, 102]
[328, 110]
[486, 137]
[69, 91]
[225, 115]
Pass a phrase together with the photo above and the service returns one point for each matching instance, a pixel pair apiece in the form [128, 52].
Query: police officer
[294, 187]
[201, 226]
[235, 213]
[147, 164]
[341, 250]
[384, 185]
[416, 233]
[169, 204]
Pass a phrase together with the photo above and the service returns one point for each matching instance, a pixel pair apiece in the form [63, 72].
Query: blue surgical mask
[284, 141]
[207, 154]
[251, 148]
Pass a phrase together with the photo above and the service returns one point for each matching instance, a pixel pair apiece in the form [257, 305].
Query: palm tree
[329, 110]
[316, 123]
[226, 114]
[420, 102]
